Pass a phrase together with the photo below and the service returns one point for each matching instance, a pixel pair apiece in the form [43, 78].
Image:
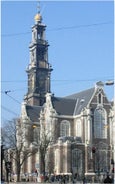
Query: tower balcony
[38, 42]
[42, 42]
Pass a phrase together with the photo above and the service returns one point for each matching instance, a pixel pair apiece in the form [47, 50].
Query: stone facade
[75, 135]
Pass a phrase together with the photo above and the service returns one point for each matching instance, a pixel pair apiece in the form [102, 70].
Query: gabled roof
[86, 93]
[33, 112]
[72, 104]
[82, 98]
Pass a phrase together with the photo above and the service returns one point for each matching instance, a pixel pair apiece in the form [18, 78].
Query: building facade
[81, 124]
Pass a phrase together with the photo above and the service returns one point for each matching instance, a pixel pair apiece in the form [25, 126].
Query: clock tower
[39, 70]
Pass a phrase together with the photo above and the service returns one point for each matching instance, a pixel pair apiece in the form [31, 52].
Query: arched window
[64, 128]
[100, 123]
[100, 98]
[78, 128]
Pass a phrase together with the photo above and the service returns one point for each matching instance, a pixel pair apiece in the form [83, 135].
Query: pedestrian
[84, 180]
[74, 179]
[63, 179]
[108, 180]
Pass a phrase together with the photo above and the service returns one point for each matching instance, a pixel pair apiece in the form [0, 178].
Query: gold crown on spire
[38, 17]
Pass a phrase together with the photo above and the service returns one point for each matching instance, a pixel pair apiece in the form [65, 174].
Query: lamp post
[109, 82]
[112, 163]
[93, 156]
[2, 158]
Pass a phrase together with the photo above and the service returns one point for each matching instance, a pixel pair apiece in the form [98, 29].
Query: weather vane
[38, 6]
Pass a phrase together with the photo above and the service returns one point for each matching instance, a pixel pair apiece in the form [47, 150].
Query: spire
[39, 70]
[38, 17]
[38, 7]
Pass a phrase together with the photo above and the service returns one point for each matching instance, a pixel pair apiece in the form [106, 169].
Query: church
[81, 124]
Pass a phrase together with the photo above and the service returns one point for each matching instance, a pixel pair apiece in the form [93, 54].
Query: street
[45, 183]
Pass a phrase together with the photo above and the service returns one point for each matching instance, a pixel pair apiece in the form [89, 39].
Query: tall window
[64, 128]
[77, 161]
[78, 128]
[100, 98]
[100, 123]
[101, 158]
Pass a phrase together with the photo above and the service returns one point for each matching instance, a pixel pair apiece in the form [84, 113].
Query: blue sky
[81, 39]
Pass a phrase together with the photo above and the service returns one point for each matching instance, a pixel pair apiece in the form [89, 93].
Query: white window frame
[64, 128]
[78, 128]
[100, 123]
[77, 161]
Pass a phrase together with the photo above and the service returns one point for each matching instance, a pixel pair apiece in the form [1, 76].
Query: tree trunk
[18, 172]
[43, 165]
[44, 168]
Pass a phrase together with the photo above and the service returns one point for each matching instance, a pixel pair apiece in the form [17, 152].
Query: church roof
[33, 112]
[63, 106]
[86, 93]
[72, 104]
[83, 99]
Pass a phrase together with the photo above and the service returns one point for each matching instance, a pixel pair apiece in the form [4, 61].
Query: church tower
[39, 70]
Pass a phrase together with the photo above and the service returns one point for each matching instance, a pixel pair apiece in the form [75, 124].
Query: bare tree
[9, 134]
[44, 144]
[16, 149]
